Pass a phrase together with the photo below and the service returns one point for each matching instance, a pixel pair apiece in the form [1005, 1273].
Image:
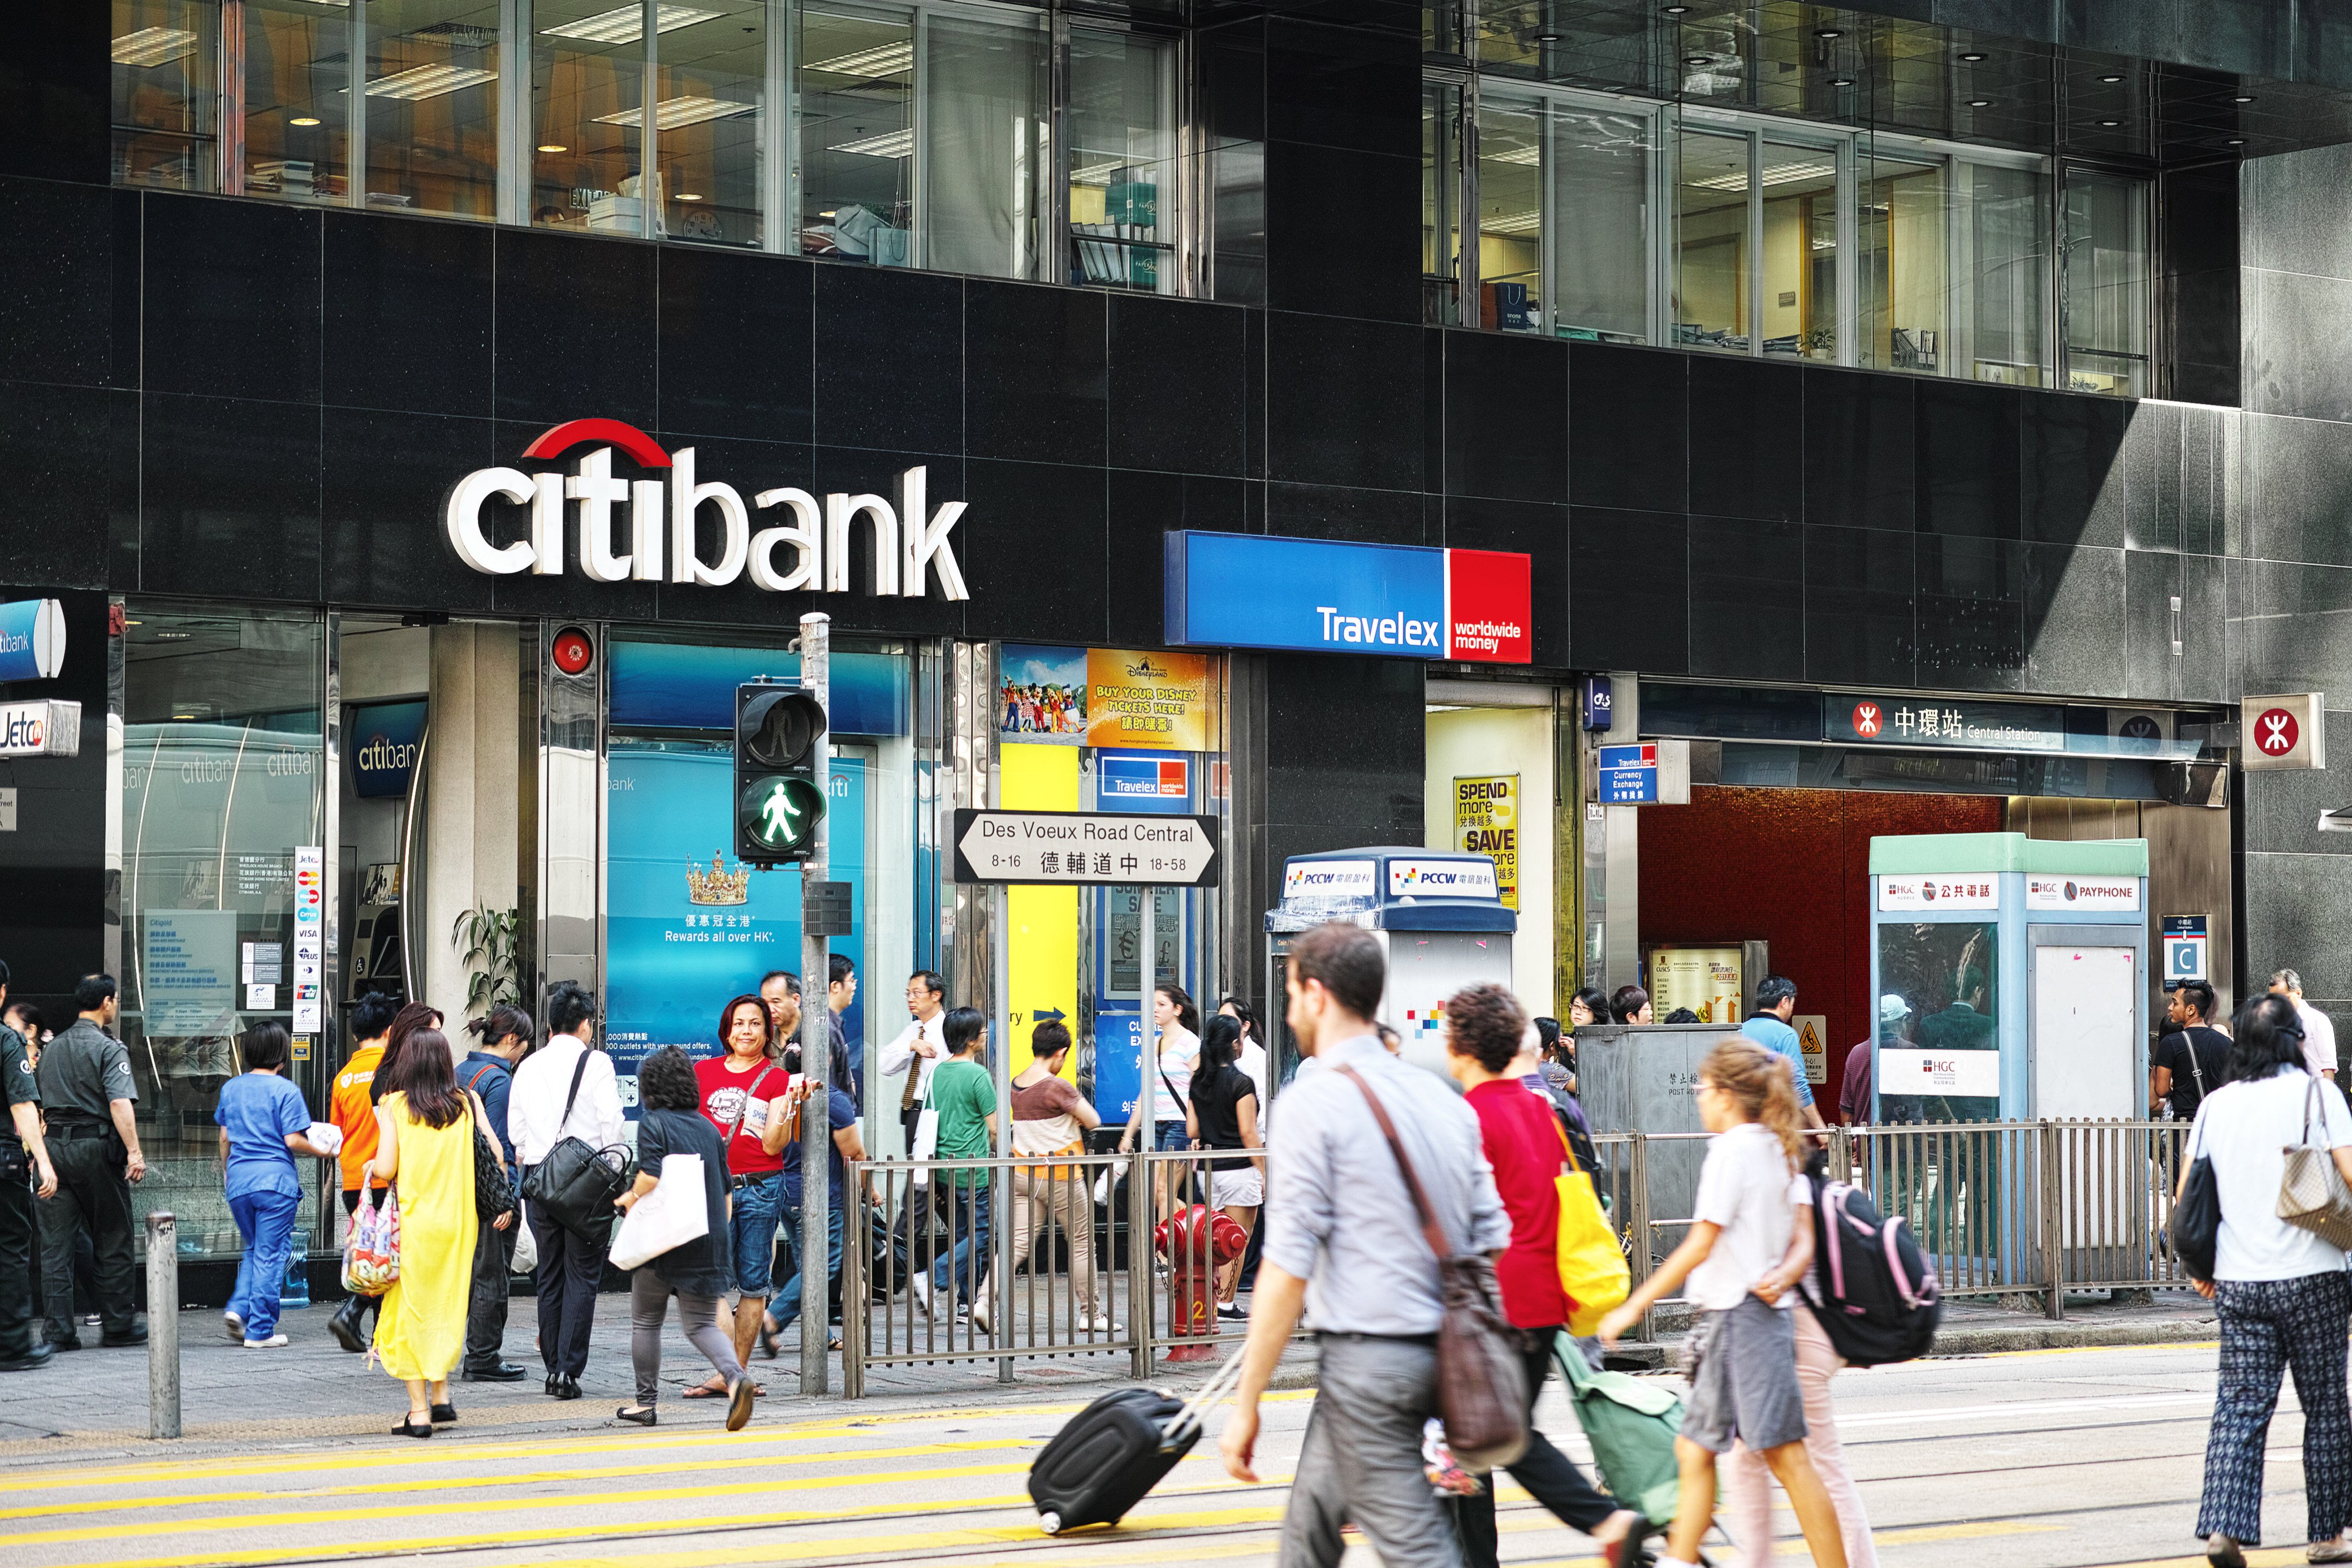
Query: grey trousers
[1361, 1461]
[649, 1297]
[486, 1305]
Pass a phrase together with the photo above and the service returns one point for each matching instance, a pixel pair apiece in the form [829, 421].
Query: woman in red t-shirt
[1484, 1028]
[749, 1098]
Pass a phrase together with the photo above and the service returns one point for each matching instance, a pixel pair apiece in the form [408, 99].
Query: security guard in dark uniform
[85, 1083]
[23, 1158]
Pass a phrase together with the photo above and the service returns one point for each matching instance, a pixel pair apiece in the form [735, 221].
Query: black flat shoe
[41, 1355]
[132, 1336]
[410, 1428]
[551, 1385]
[504, 1372]
[445, 1416]
[567, 1388]
[641, 1416]
[345, 1326]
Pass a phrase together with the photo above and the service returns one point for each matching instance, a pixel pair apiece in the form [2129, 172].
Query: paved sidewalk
[1979, 1326]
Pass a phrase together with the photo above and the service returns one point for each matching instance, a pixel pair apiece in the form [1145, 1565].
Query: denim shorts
[1172, 1136]
[751, 1231]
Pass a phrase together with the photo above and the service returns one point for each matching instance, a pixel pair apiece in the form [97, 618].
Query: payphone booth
[1441, 925]
[2009, 979]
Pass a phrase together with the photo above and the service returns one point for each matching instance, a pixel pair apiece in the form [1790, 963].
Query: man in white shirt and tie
[543, 1110]
[918, 1052]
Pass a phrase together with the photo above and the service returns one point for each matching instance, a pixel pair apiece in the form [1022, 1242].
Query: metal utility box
[1441, 925]
[1644, 1078]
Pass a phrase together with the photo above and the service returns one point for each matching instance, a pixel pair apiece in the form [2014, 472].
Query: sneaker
[274, 1341]
[1232, 1314]
[1101, 1324]
[921, 1288]
[980, 1319]
[234, 1325]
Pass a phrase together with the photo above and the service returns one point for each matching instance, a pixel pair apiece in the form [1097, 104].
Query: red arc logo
[580, 432]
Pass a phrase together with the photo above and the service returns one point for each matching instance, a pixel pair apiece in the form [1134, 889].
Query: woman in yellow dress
[425, 1143]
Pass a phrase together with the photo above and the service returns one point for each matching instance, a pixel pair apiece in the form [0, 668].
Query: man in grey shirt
[85, 1089]
[1342, 1238]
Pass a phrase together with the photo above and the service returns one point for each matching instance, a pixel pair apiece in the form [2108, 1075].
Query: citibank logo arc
[669, 522]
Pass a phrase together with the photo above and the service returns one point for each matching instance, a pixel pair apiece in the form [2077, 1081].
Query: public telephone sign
[1086, 849]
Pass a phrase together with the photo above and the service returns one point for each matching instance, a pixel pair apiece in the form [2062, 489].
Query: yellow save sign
[1486, 821]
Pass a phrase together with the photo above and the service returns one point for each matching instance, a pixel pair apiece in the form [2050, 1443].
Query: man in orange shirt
[352, 1110]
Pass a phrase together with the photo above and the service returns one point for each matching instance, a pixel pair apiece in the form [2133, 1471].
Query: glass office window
[165, 96]
[1511, 216]
[1711, 261]
[1441, 192]
[2005, 265]
[2105, 283]
[1122, 162]
[297, 102]
[432, 114]
[1800, 187]
[985, 147]
[707, 124]
[1905, 263]
[587, 82]
[1600, 210]
[856, 131]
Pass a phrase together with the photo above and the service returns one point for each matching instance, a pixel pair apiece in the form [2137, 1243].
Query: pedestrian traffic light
[779, 758]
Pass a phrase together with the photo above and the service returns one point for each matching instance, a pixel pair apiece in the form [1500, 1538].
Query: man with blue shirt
[488, 1071]
[846, 1144]
[1776, 1004]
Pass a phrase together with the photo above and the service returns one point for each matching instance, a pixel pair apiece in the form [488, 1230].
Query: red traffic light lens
[573, 650]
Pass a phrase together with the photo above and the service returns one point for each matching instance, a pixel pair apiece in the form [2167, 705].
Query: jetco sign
[669, 524]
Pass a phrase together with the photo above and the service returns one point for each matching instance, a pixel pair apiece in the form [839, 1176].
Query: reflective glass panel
[1601, 213]
[1801, 307]
[296, 122]
[432, 122]
[856, 131]
[983, 146]
[1948, 974]
[2005, 265]
[1905, 266]
[707, 122]
[165, 56]
[1711, 187]
[1441, 236]
[2105, 280]
[1122, 162]
[587, 80]
[1510, 217]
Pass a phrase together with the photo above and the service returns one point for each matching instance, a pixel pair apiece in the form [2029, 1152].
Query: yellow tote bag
[1591, 1265]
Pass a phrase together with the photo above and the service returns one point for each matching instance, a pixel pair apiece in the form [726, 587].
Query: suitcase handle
[1211, 1395]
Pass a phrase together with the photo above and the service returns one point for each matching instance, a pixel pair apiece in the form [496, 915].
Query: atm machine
[1441, 922]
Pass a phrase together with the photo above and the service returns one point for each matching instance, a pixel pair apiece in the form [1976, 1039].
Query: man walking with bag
[564, 1090]
[1343, 1237]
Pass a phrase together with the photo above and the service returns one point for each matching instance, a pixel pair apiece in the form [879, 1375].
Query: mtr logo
[669, 523]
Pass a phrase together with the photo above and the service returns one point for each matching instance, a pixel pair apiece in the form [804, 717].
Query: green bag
[1631, 1423]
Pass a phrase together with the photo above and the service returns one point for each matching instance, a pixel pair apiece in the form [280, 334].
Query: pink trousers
[1747, 1482]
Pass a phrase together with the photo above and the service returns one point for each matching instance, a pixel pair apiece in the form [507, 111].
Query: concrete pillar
[471, 786]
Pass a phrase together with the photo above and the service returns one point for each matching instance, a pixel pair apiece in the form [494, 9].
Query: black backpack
[1879, 1298]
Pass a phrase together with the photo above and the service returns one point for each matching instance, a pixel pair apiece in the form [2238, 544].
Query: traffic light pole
[816, 1044]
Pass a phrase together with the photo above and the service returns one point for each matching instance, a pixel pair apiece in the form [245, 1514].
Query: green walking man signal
[780, 755]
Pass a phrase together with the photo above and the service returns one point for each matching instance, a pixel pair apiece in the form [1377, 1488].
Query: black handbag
[493, 1194]
[575, 1184]
[2197, 1219]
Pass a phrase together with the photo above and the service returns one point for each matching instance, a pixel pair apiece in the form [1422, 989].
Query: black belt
[1429, 1340]
[69, 1131]
[735, 1183]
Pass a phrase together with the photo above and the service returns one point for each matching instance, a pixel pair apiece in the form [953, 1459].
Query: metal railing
[1121, 1255]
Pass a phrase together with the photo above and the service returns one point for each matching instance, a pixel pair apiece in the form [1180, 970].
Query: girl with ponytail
[1744, 1252]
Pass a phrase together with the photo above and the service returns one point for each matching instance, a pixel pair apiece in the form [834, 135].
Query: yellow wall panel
[1043, 960]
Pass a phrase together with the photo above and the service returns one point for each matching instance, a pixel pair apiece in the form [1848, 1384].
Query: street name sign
[1083, 848]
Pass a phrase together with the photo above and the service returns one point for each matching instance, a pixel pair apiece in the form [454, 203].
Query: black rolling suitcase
[1115, 1450]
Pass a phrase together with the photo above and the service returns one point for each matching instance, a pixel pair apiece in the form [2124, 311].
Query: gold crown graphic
[716, 886]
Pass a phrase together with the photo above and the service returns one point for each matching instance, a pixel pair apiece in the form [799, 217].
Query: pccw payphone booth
[2010, 974]
[1441, 925]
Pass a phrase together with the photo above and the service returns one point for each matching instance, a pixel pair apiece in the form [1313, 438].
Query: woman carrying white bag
[675, 1237]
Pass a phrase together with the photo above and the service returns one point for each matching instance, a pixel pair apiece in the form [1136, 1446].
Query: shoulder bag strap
[1429, 1229]
[2195, 1067]
[578, 1071]
[745, 1108]
[2310, 1104]
[474, 1084]
[1566, 1147]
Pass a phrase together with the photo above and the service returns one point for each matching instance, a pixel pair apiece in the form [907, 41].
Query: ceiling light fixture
[1100, 174]
[1980, 103]
[2110, 124]
[1829, 33]
[1974, 57]
[889, 144]
[1841, 81]
[627, 24]
[1547, 37]
[2236, 142]
[154, 47]
[1782, 175]
[889, 59]
[2111, 79]
[672, 113]
[1513, 223]
[1695, 60]
[429, 81]
[553, 147]
[1676, 10]
[2242, 97]
[304, 120]
[688, 197]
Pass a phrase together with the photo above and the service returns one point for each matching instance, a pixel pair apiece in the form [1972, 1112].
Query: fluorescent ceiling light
[1529, 155]
[889, 144]
[154, 47]
[429, 81]
[671, 113]
[889, 59]
[1513, 223]
[1783, 174]
[1096, 174]
[627, 24]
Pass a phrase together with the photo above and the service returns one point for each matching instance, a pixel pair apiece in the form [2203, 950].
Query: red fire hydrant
[1195, 1240]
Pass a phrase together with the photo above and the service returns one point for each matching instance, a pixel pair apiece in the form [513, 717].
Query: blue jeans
[752, 1232]
[266, 1220]
[970, 1211]
[787, 1308]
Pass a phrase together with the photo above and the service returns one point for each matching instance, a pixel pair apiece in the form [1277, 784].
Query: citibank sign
[670, 524]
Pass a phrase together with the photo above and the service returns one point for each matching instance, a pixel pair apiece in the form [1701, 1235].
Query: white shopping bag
[672, 1215]
[526, 1251]
[927, 1136]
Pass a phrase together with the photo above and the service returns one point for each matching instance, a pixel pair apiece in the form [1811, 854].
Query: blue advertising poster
[1244, 590]
[687, 927]
[1119, 1067]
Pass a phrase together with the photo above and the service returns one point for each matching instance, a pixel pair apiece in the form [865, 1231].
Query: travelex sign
[669, 523]
[1244, 590]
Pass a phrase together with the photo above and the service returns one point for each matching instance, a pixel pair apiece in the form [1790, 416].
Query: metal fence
[1015, 1259]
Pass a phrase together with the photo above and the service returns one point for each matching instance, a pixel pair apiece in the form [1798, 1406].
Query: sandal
[445, 1416]
[738, 1404]
[642, 1415]
[411, 1428]
[704, 1391]
[768, 1333]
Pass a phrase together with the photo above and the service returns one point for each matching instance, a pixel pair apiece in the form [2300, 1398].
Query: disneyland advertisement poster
[1040, 695]
[687, 925]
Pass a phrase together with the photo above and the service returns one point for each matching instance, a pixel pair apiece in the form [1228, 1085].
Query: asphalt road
[2043, 1459]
